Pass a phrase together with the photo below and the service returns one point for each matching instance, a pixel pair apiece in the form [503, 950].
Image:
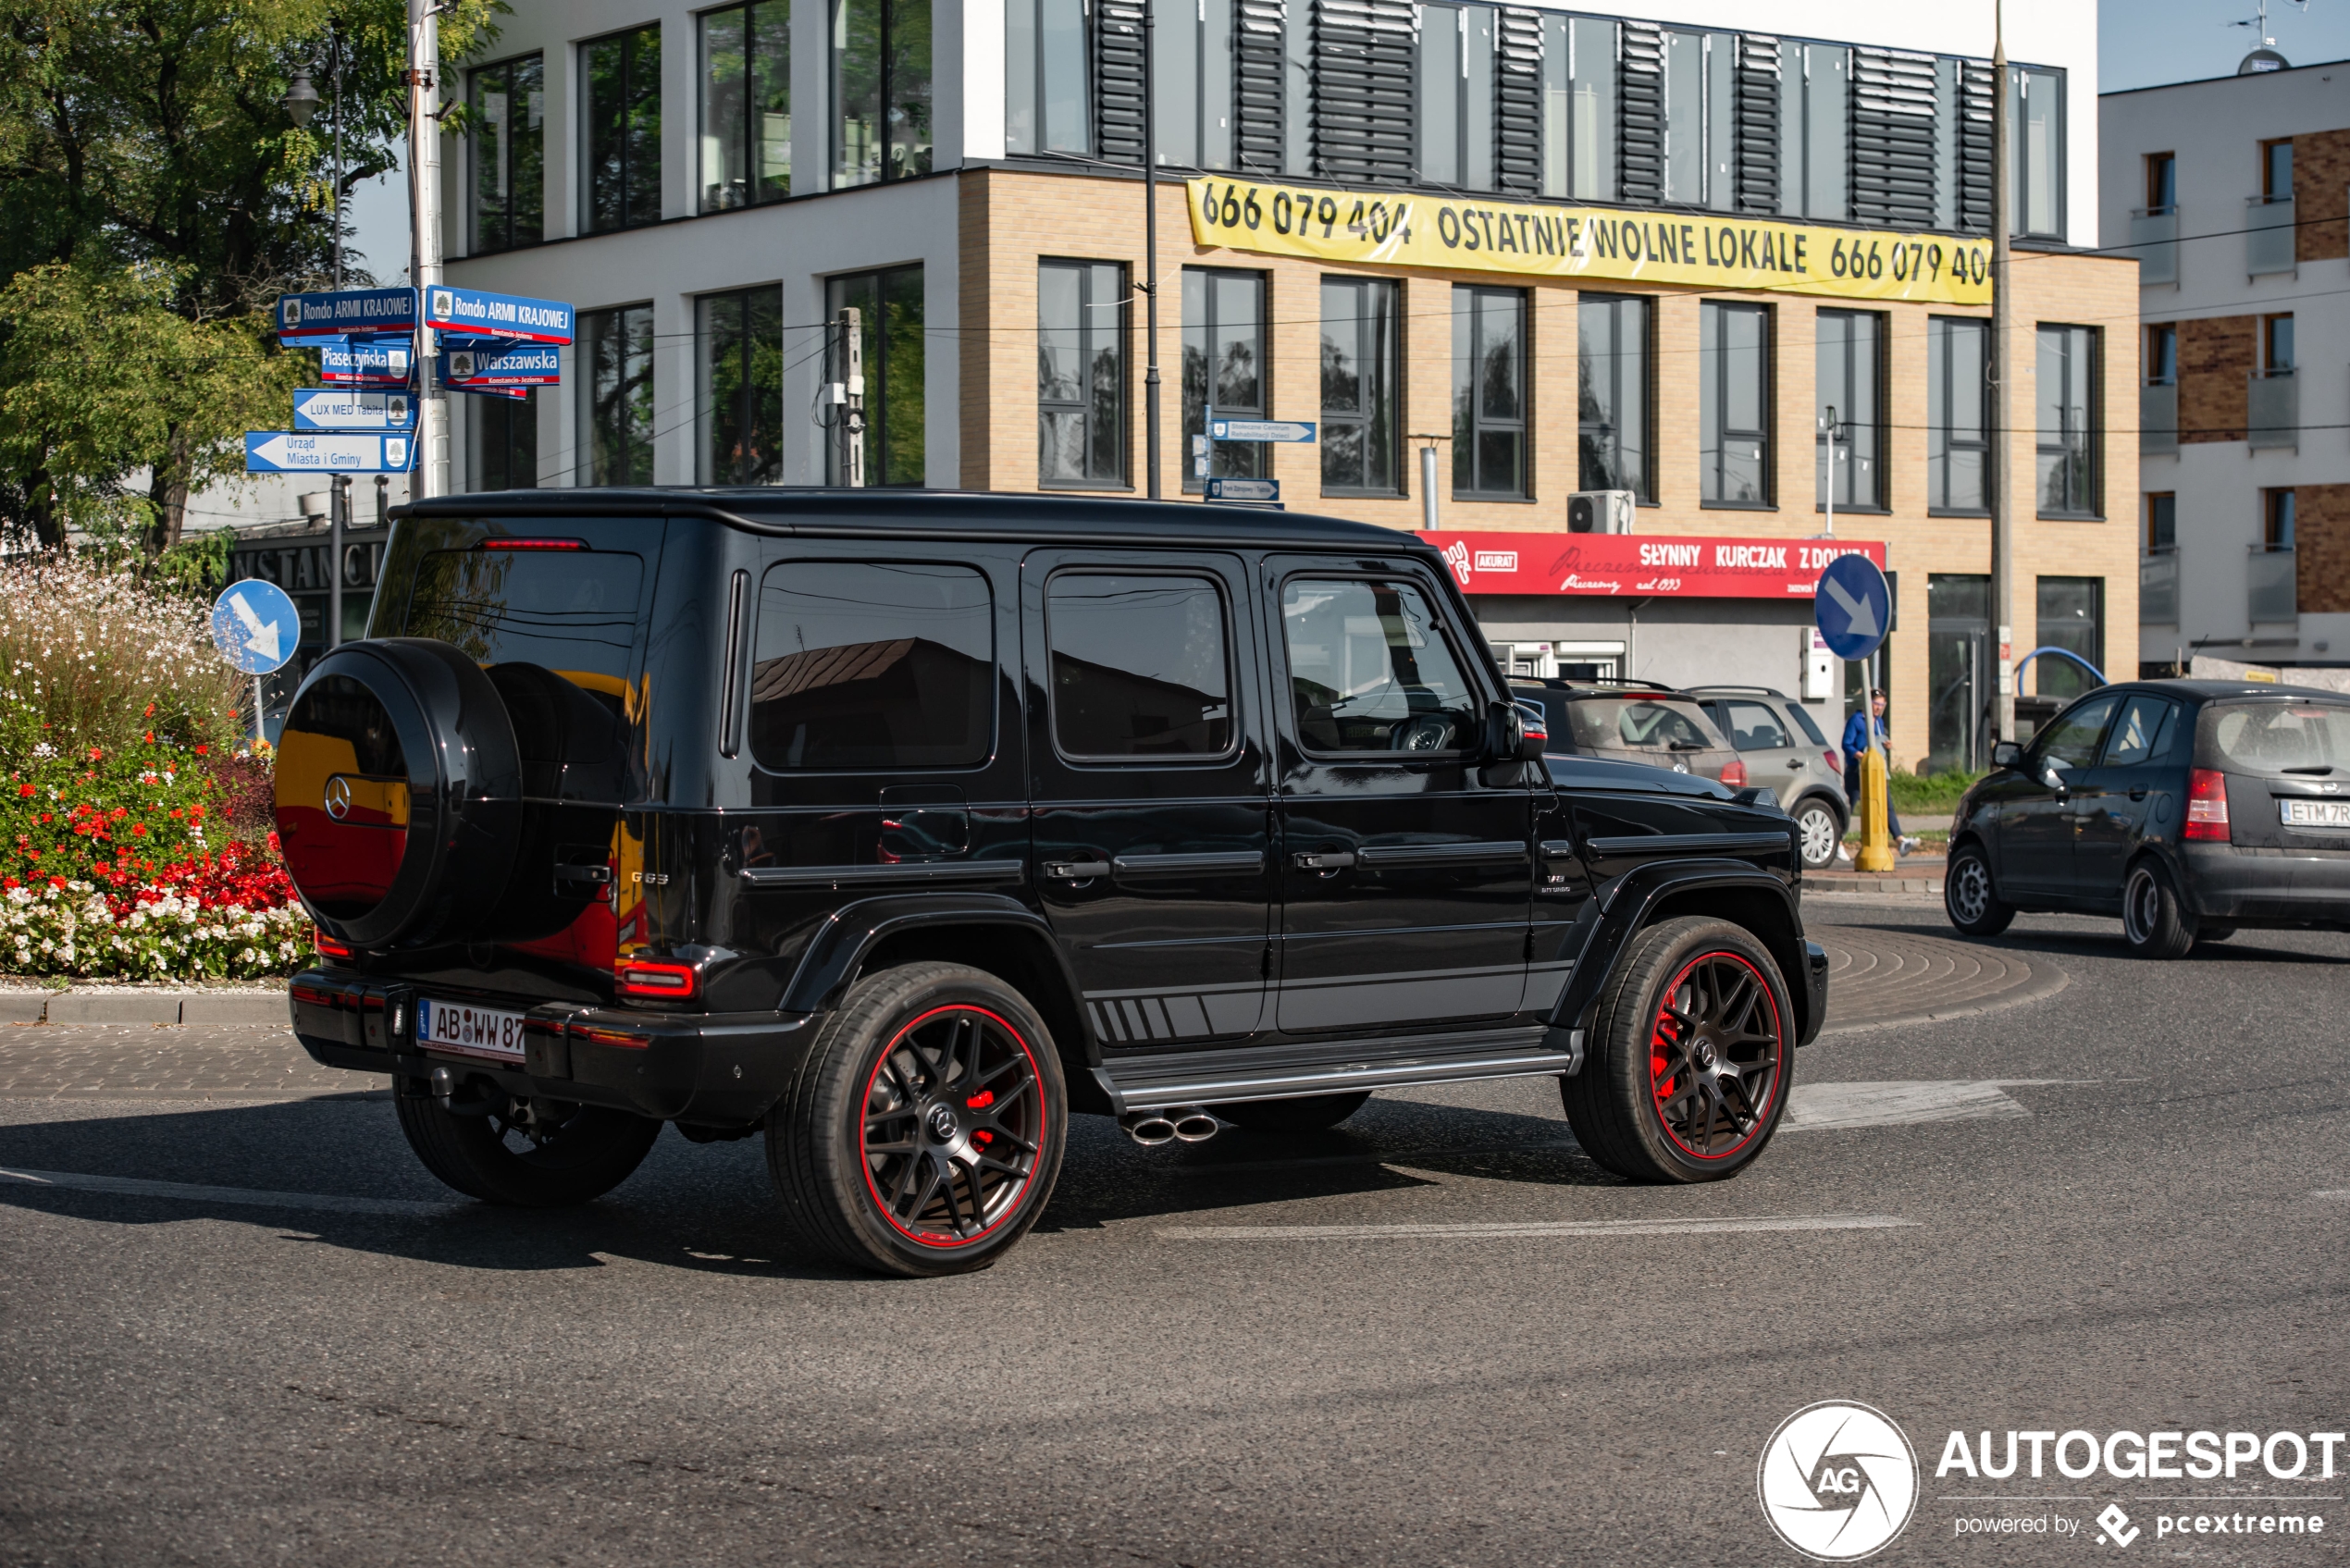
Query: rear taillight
[1733, 773]
[2206, 804]
[1829, 758]
[327, 947]
[642, 977]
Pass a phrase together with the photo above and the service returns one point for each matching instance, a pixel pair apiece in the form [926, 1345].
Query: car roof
[2209, 691]
[1738, 691]
[919, 512]
[1594, 688]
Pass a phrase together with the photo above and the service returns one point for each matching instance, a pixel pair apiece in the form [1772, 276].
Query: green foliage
[1930, 792]
[197, 566]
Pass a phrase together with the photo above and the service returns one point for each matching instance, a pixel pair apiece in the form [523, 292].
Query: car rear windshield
[571, 610]
[1646, 722]
[2278, 737]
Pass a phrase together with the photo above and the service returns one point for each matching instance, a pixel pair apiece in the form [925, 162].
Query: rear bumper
[720, 1068]
[2228, 881]
[1815, 992]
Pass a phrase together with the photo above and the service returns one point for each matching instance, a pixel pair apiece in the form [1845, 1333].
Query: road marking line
[1506, 1230]
[2334, 1193]
[133, 1187]
[1816, 1107]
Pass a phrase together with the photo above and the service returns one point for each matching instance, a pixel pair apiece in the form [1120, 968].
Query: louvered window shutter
[1892, 139]
[1365, 56]
[1756, 146]
[1517, 102]
[1118, 80]
[1640, 111]
[1258, 126]
[1975, 147]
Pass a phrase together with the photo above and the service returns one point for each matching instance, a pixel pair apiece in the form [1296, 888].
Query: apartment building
[2234, 195]
[1642, 249]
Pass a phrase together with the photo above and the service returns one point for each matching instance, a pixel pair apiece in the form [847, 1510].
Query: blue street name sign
[482, 313]
[368, 361]
[338, 408]
[1244, 489]
[256, 626]
[353, 310]
[1261, 429]
[300, 451]
[1853, 607]
[503, 364]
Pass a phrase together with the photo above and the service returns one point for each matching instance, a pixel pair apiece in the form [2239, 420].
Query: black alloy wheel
[951, 1130]
[1714, 1053]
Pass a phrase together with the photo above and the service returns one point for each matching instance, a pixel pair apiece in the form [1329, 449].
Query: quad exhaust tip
[1184, 1124]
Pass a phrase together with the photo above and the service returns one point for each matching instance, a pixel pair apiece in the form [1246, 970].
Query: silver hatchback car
[1782, 747]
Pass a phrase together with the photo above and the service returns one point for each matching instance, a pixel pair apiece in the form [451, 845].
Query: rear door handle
[1323, 861]
[2139, 793]
[1075, 871]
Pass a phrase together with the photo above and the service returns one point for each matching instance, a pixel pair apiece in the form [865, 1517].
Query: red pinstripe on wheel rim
[1717, 1056]
[952, 1125]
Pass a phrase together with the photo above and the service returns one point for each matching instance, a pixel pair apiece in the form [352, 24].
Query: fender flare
[853, 930]
[1629, 906]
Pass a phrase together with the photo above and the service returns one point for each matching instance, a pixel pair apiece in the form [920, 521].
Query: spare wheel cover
[398, 793]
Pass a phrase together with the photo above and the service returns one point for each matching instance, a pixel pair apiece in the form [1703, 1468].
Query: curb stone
[127, 1007]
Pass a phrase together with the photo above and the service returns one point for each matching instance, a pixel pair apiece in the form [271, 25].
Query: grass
[1936, 793]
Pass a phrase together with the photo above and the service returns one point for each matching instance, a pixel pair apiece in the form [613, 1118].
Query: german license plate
[2314, 813]
[474, 1032]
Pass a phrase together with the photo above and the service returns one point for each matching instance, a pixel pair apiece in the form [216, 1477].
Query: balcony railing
[2272, 414]
[2268, 239]
[2270, 596]
[2154, 240]
[2158, 588]
[2159, 420]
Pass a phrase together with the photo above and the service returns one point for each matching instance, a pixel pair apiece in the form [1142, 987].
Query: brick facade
[2215, 369]
[2321, 196]
[2321, 548]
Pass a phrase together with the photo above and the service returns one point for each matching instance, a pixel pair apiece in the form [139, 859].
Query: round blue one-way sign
[1853, 607]
[256, 626]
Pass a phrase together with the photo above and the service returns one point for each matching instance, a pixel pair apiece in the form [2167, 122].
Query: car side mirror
[2006, 754]
[1516, 731]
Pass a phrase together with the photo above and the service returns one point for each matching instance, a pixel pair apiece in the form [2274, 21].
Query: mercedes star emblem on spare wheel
[338, 797]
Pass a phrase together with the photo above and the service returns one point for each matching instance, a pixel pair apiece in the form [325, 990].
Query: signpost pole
[337, 516]
[260, 730]
[2002, 400]
[1150, 250]
[1876, 840]
[423, 227]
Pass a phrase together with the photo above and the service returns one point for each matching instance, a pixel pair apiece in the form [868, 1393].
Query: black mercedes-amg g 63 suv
[899, 826]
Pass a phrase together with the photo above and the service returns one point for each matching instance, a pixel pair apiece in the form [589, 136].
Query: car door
[1406, 867]
[1150, 796]
[2036, 821]
[2110, 808]
[1759, 733]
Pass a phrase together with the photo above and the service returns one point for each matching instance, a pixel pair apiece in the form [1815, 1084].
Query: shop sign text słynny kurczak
[1703, 250]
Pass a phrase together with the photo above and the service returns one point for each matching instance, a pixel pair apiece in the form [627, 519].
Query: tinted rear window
[2276, 737]
[863, 666]
[1643, 722]
[571, 610]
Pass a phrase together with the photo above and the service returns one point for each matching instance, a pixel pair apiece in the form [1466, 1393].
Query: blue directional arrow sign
[1853, 607]
[342, 408]
[1261, 429]
[503, 364]
[303, 451]
[482, 313]
[1244, 489]
[352, 310]
[379, 361]
[256, 626]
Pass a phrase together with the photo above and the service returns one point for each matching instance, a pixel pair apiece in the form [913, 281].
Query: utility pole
[339, 511]
[2003, 396]
[845, 396]
[424, 229]
[1150, 247]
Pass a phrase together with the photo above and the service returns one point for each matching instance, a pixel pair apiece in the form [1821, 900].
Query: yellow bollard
[1876, 842]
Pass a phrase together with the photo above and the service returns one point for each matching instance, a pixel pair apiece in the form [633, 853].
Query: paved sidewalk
[150, 1061]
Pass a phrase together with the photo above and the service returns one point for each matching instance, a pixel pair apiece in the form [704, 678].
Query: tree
[148, 169]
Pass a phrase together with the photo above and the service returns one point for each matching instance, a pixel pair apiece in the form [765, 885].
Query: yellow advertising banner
[1693, 250]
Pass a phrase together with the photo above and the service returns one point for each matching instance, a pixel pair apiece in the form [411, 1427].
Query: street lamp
[302, 99]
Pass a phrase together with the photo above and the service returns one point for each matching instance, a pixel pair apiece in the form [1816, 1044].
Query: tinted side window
[2070, 739]
[2142, 732]
[1802, 717]
[1139, 665]
[1754, 726]
[1613, 723]
[871, 666]
[572, 610]
[1369, 671]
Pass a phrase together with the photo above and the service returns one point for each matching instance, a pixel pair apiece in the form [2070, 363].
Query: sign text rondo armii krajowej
[1704, 250]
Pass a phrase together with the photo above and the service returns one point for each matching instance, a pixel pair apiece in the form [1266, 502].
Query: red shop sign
[1682, 566]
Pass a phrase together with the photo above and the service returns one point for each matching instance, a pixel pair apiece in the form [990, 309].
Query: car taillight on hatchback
[2206, 804]
[1733, 773]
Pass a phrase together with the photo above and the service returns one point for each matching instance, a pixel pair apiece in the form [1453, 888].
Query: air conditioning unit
[1598, 511]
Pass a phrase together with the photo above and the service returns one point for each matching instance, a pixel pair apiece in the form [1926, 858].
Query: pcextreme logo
[1838, 1481]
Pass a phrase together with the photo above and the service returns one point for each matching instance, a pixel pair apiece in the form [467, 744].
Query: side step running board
[1209, 1077]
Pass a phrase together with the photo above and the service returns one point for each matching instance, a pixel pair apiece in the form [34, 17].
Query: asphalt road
[1437, 1336]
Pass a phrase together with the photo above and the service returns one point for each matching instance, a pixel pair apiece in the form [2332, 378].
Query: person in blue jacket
[1856, 741]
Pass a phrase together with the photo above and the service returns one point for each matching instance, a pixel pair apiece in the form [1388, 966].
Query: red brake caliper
[980, 1102]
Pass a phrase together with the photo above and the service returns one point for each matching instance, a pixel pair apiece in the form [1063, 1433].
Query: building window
[2065, 390]
[1698, 118]
[881, 91]
[1193, 90]
[890, 306]
[509, 154]
[2276, 532]
[2162, 522]
[1456, 97]
[1733, 404]
[1612, 340]
[1488, 391]
[617, 358]
[1578, 108]
[2162, 181]
[623, 120]
[1045, 106]
[1957, 355]
[1850, 378]
[1362, 380]
[742, 387]
[505, 443]
[1815, 94]
[2071, 618]
[2162, 356]
[2036, 149]
[2276, 170]
[1080, 373]
[746, 105]
[1223, 369]
[2276, 345]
